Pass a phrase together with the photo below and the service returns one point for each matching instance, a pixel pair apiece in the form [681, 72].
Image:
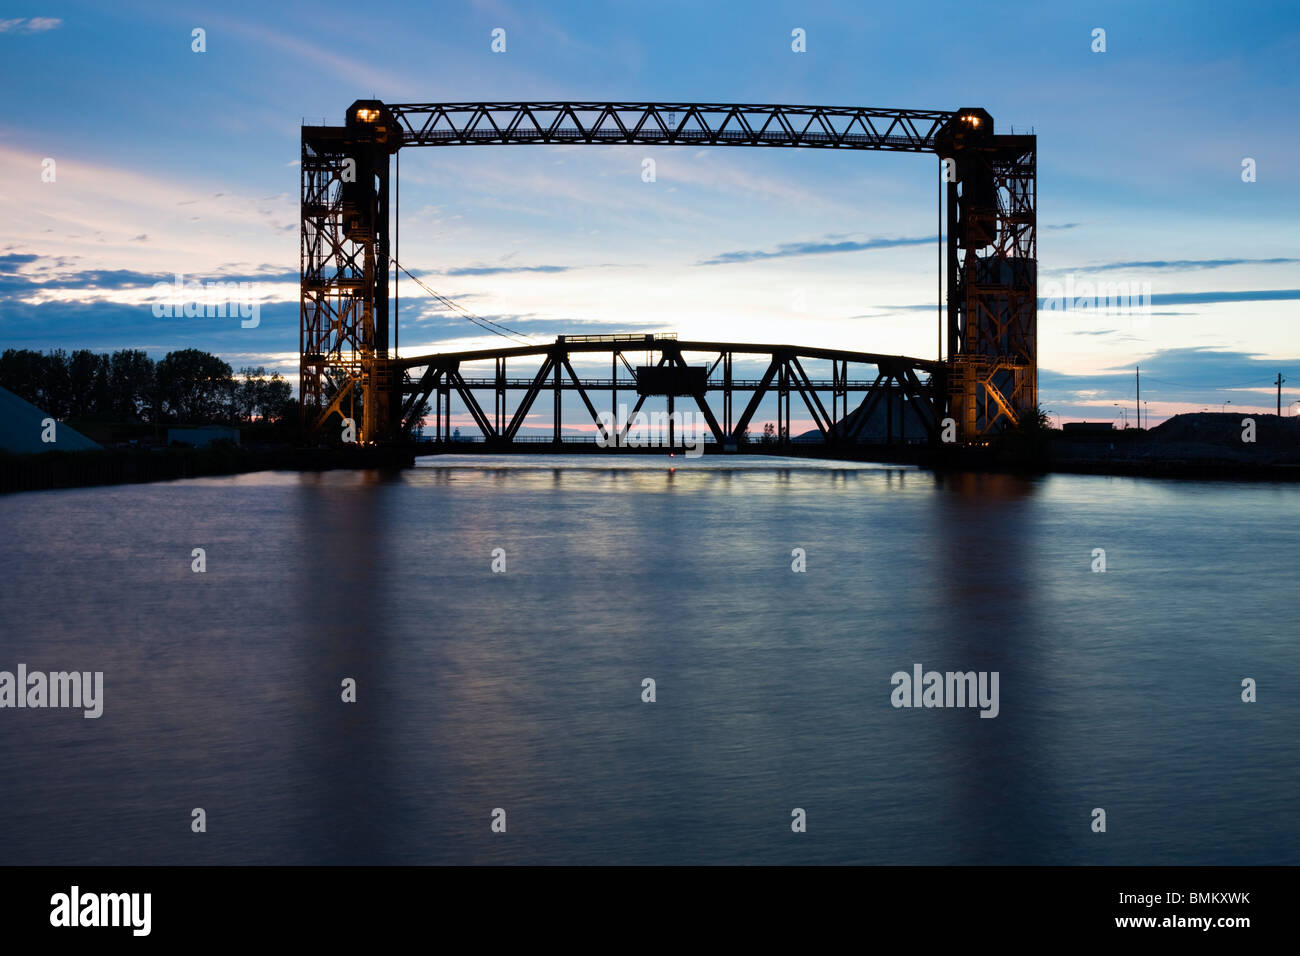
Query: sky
[169, 161]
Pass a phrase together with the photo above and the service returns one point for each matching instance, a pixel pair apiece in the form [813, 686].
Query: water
[522, 690]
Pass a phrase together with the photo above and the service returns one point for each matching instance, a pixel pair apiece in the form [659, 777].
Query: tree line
[188, 386]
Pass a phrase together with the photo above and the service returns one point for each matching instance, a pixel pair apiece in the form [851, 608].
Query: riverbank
[57, 469]
[1203, 446]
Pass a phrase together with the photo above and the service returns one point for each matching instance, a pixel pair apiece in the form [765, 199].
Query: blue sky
[170, 161]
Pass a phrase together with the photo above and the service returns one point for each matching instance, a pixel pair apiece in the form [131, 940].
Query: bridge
[987, 382]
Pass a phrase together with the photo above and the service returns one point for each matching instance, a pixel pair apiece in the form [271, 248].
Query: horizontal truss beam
[690, 124]
[896, 389]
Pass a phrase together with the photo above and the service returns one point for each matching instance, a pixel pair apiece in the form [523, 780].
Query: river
[522, 690]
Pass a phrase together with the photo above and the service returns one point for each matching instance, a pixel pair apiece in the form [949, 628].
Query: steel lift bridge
[988, 381]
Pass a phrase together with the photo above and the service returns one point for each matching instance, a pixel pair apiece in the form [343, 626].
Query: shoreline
[61, 470]
[52, 471]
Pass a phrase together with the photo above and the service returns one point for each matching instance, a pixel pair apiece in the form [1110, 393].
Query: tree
[195, 387]
[1036, 421]
[101, 395]
[246, 393]
[186, 386]
[1028, 446]
[83, 366]
[57, 384]
[273, 395]
[260, 394]
[22, 372]
[132, 386]
[414, 427]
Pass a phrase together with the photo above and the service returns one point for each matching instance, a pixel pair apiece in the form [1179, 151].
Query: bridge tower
[344, 251]
[992, 275]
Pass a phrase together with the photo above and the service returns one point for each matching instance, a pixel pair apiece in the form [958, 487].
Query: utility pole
[1138, 402]
[1280, 380]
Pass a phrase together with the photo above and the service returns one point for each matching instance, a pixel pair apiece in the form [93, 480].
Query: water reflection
[521, 689]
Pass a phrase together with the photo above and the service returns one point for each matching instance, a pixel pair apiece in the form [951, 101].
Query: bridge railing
[624, 337]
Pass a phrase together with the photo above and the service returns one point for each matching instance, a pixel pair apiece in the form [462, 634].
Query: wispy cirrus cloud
[1209, 298]
[1189, 264]
[790, 250]
[1157, 298]
[30, 25]
[499, 270]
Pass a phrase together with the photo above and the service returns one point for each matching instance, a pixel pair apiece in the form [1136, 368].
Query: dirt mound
[1225, 428]
[1201, 437]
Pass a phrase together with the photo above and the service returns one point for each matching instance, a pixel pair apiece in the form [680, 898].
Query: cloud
[58, 274]
[791, 249]
[1188, 264]
[357, 71]
[1208, 298]
[1116, 331]
[98, 209]
[30, 25]
[498, 270]
[1192, 374]
[109, 326]
[11, 259]
[1157, 298]
[87, 279]
[1222, 368]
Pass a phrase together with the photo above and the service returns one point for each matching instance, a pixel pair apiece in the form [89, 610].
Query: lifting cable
[494, 327]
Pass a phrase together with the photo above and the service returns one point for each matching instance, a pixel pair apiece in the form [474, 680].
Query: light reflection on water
[522, 690]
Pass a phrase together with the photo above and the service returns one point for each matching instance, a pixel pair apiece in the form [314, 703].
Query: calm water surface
[522, 690]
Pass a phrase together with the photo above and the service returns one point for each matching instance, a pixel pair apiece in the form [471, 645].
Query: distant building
[1087, 427]
[24, 429]
[198, 436]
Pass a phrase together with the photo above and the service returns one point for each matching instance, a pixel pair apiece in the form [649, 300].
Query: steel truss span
[988, 381]
[895, 401]
[691, 124]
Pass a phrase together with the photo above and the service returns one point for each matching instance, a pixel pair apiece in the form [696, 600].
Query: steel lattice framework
[894, 385]
[988, 381]
[692, 124]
